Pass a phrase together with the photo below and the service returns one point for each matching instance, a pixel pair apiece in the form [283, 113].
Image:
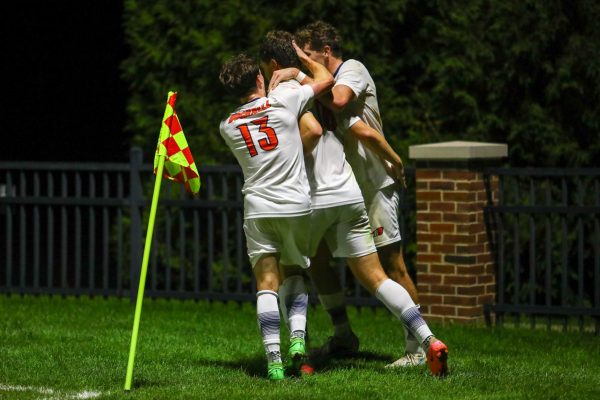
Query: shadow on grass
[360, 359]
[255, 365]
[145, 383]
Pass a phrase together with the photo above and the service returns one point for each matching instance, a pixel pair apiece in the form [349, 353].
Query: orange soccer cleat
[437, 358]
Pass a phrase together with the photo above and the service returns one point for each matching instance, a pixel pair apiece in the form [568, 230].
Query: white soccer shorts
[345, 229]
[383, 210]
[287, 236]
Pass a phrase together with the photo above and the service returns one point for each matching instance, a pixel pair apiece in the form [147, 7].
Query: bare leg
[266, 272]
[368, 271]
[332, 298]
[394, 265]
[323, 276]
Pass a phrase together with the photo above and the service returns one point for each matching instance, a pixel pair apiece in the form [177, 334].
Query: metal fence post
[136, 199]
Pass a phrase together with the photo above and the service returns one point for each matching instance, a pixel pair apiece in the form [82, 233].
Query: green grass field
[55, 348]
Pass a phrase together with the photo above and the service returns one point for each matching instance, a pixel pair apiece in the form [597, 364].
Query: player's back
[263, 135]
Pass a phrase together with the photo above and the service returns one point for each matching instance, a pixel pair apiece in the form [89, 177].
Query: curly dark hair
[277, 45]
[318, 35]
[238, 75]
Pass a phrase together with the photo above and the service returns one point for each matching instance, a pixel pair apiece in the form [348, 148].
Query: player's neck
[334, 64]
[256, 95]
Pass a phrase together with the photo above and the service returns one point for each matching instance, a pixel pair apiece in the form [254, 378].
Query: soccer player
[340, 225]
[276, 51]
[354, 94]
[262, 133]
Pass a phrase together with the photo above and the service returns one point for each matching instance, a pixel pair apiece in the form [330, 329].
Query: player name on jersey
[249, 112]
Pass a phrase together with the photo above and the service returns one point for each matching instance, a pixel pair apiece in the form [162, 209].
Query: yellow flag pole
[140, 295]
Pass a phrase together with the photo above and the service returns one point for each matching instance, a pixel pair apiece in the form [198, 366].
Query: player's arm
[380, 146]
[335, 100]
[338, 98]
[322, 80]
[287, 74]
[310, 132]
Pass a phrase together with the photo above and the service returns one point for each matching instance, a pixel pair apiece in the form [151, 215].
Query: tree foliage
[522, 72]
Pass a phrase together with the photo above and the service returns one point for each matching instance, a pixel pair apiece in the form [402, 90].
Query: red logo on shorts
[378, 231]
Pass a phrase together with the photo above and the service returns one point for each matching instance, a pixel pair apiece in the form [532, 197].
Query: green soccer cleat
[297, 347]
[297, 359]
[275, 371]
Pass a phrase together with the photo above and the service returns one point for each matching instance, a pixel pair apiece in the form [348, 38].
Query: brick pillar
[455, 270]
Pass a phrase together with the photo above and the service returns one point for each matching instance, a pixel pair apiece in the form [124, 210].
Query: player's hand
[282, 75]
[301, 54]
[396, 171]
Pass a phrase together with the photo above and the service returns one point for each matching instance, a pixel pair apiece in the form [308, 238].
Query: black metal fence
[78, 229]
[546, 233]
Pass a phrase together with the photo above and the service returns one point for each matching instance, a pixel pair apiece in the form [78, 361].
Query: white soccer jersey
[332, 182]
[330, 177]
[367, 166]
[263, 135]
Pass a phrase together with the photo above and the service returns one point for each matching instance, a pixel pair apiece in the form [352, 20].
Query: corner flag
[174, 161]
[179, 163]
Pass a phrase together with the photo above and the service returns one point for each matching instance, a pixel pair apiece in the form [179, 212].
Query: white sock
[398, 301]
[411, 344]
[293, 302]
[283, 293]
[335, 305]
[267, 313]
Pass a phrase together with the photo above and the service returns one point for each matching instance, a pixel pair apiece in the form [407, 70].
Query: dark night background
[63, 98]
[519, 72]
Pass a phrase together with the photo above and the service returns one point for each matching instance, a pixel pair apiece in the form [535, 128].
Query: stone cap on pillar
[458, 151]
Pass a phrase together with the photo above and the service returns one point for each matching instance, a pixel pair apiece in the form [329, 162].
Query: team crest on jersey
[378, 231]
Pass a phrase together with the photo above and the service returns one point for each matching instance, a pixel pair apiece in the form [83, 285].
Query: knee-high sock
[267, 313]
[411, 344]
[398, 301]
[335, 305]
[293, 301]
[282, 294]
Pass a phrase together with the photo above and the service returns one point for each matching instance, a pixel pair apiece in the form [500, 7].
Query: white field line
[51, 394]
